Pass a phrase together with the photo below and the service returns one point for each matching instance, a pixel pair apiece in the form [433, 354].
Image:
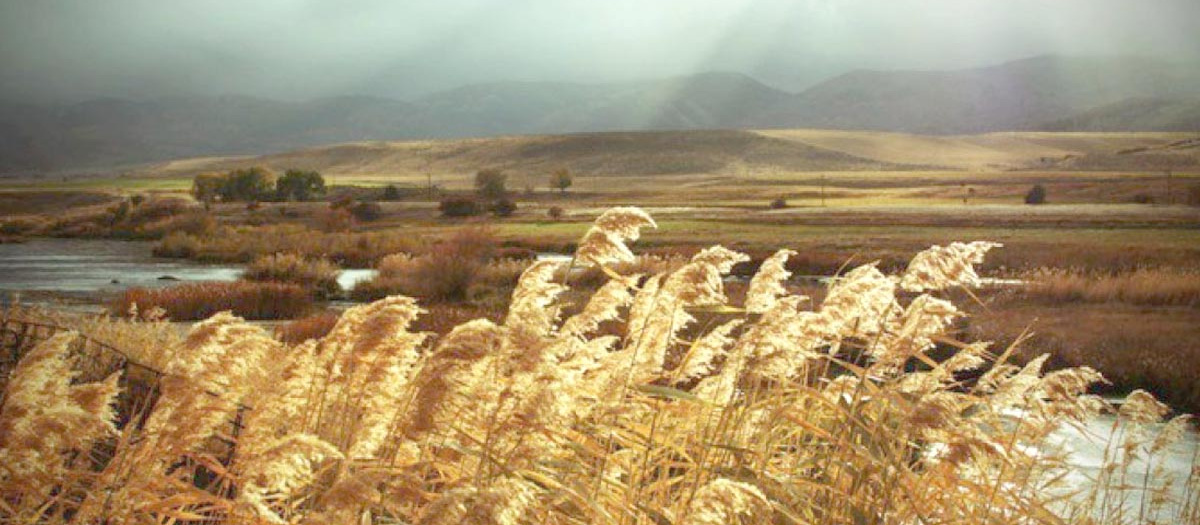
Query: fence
[95, 360]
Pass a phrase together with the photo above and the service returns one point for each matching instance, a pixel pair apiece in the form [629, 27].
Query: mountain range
[1047, 93]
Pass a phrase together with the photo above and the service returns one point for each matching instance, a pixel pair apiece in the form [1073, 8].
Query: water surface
[98, 265]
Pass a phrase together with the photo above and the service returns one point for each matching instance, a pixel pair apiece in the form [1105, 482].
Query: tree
[206, 187]
[391, 193]
[299, 185]
[249, 184]
[555, 213]
[561, 179]
[1036, 195]
[490, 183]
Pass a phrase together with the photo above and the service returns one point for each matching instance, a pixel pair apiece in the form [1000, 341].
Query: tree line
[257, 184]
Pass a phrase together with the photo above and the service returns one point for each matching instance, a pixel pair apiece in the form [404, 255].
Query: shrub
[320, 276]
[196, 223]
[336, 220]
[1036, 195]
[555, 212]
[178, 245]
[311, 327]
[504, 208]
[196, 301]
[445, 273]
[242, 245]
[1142, 198]
[779, 204]
[160, 208]
[253, 206]
[366, 211]
[458, 207]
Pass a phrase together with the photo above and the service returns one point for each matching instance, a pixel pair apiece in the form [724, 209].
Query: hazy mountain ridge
[1033, 94]
[1019, 95]
[1135, 114]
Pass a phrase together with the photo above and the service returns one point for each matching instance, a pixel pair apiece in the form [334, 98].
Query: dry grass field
[851, 198]
[524, 392]
[656, 400]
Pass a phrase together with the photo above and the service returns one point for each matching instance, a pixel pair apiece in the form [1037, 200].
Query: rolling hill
[1034, 94]
[598, 153]
[729, 153]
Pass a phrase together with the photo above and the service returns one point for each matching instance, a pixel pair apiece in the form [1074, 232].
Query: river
[88, 266]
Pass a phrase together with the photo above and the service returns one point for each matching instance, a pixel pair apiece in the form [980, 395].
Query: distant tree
[779, 204]
[206, 187]
[490, 184]
[458, 207]
[504, 208]
[555, 213]
[391, 193]
[297, 185]
[561, 179]
[367, 211]
[249, 184]
[1036, 195]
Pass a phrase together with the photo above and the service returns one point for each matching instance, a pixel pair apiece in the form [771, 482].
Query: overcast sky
[63, 51]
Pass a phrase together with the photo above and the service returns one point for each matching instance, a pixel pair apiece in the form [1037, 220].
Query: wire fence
[95, 360]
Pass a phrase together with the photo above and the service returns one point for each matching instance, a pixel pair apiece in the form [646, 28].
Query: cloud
[73, 50]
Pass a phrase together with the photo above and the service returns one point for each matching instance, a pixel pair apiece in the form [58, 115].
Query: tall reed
[778, 411]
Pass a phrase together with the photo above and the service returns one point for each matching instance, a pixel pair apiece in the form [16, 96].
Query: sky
[60, 51]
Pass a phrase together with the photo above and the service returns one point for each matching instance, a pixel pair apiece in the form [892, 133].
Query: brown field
[852, 197]
[634, 402]
[198, 301]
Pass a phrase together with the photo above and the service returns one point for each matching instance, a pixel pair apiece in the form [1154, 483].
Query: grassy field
[852, 197]
[658, 399]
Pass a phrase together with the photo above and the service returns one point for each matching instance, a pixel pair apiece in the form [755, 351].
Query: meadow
[655, 399]
[686, 384]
